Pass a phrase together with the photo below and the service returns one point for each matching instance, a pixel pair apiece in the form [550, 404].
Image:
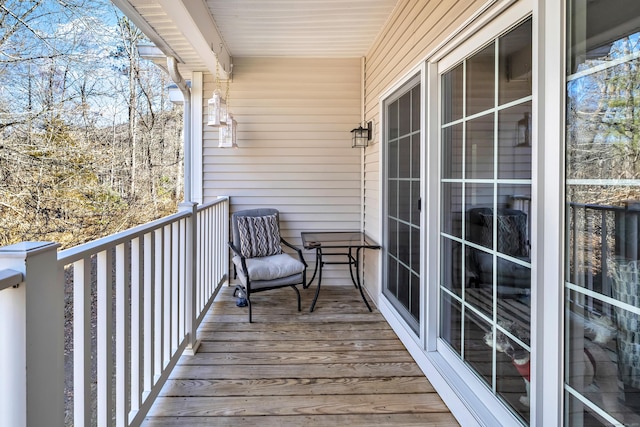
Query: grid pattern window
[402, 155]
[485, 206]
[602, 290]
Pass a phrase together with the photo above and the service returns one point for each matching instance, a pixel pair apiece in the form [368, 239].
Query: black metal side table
[343, 243]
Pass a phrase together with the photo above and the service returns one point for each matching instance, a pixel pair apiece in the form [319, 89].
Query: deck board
[340, 365]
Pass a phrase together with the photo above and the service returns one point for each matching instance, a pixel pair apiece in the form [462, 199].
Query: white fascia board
[196, 24]
[131, 13]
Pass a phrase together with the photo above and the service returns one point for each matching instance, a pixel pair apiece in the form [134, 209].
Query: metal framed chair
[258, 257]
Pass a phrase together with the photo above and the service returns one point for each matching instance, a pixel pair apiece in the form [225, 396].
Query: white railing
[136, 298]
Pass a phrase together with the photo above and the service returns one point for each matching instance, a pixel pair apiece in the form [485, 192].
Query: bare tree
[70, 158]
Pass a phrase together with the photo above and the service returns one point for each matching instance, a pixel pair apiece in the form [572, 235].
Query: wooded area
[89, 143]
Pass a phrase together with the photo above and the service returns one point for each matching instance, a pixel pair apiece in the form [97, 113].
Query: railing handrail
[68, 256]
[10, 278]
[597, 207]
[220, 199]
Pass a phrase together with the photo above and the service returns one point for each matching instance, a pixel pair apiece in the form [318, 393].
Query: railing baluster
[166, 291]
[164, 275]
[82, 342]
[158, 305]
[104, 334]
[173, 287]
[123, 269]
[149, 315]
[137, 312]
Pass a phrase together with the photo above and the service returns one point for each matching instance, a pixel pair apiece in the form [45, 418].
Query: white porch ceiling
[197, 32]
[300, 28]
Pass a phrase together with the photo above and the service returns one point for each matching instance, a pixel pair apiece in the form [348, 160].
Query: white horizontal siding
[294, 121]
[413, 30]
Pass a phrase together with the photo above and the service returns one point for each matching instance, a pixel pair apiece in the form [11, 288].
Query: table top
[337, 239]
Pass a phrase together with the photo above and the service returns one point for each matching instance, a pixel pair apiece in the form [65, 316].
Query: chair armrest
[298, 250]
[243, 261]
[234, 249]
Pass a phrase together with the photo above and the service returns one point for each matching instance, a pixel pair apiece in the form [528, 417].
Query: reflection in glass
[415, 296]
[393, 121]
[514, 159]
[392, 275]
[515, 64]
[603, 363]
[485, 225]
[514, 290]
[479, 218]
[480, 80]
[514, 230]
[452, 100]
[403, 243]
[476, 351]
[392, 159]
[402, 194]
[602, 353]
[479, 148]
[405, 114]
[451, 222]
[392, 247]
[404, 154]
[392, 189]
[451, 322]
[479, 269]
[513, 366]
[578, 414]
[601, 131]
[451, 265]
[403, 285]
[405, 202]
[452, 152]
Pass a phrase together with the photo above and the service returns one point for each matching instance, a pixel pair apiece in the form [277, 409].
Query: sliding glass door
[602, 288]
[485, 208]
[402, 201]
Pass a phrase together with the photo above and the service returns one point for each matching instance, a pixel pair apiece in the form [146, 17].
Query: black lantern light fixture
[523, 131]
[360, 136]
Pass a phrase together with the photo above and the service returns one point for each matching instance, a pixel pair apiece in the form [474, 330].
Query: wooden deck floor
[337, 366]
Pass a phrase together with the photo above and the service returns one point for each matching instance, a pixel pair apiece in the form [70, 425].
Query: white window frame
[548, 91]
[470, 388]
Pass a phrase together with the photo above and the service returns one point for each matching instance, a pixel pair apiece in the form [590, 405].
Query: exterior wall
[294, 121]
[414, 29]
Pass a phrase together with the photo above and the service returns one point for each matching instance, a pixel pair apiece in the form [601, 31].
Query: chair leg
[297, 292]
[249, 303]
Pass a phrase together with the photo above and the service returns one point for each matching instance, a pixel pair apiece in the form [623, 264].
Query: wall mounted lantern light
[523, 135]
[217, 110]
[227, 137]
[360, 136]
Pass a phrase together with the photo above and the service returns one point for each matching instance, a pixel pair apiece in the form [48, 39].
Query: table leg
[357, 266]
[352, 262]
[315, 270]
[319, 269]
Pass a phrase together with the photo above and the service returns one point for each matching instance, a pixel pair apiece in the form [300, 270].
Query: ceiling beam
[193, 18]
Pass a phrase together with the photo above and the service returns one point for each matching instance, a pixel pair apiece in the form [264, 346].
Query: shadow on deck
[340, 365]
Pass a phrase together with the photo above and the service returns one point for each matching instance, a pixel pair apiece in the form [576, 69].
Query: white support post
[190, 277]
[32, 337]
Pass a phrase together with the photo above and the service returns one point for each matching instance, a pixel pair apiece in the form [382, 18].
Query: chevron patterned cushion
[259, 236]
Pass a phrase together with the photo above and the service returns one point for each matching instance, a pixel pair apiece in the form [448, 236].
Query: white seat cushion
[270, 267]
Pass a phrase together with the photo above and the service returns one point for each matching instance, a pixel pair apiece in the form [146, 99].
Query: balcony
[340, 365]
[153, 338]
